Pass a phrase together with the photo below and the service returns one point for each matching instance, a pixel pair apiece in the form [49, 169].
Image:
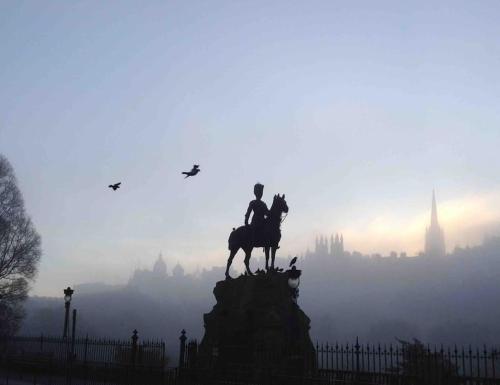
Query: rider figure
[260, 213]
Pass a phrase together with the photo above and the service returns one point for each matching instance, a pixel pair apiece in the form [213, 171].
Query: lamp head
[68, 292]
[294, 277]
[293, 283]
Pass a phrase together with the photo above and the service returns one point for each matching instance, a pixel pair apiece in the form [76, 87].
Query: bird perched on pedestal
[195, 170]
[294, 259]
[115, 186]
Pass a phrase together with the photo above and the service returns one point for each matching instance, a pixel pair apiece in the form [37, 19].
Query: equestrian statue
[263, 230]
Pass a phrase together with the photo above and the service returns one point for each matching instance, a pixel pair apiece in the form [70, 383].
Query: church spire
[434, 236]
[434, 214]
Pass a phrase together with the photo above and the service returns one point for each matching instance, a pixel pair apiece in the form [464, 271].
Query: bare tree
[20, 250]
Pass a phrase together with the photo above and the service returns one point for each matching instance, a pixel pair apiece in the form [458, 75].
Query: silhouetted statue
[263, 231]
[195, 170]
[260, 213]
[115, 186]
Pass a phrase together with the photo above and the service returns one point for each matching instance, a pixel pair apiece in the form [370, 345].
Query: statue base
[257, 327]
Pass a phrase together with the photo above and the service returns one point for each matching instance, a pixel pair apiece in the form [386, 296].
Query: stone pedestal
[257, 326]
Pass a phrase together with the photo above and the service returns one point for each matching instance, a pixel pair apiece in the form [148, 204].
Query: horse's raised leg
[230, 260]
[266, 251]
[248, 254]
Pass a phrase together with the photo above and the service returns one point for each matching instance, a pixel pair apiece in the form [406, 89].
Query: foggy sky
[355, 110]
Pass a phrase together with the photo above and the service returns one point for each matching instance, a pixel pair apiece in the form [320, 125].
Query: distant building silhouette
[337, 245]
[178, 271]
[434, 236]
[334, 248]
[328, 249]
[160, 267]
[146, 279]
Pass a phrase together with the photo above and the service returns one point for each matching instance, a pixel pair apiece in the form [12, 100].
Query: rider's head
[258, 190]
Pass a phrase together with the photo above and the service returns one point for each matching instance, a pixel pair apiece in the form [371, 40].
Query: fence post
[357, 354]
[85, 349]
[134, 347]
[163, 354]
[182, 350]
[73, 330]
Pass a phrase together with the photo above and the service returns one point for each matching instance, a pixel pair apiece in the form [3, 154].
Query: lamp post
[68, 292]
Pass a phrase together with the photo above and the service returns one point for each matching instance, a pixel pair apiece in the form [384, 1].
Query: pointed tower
[337, 245]
[160, 267]
[323, 245]
[434, 236]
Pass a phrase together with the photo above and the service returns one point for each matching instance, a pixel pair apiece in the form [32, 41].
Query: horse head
[279, 203]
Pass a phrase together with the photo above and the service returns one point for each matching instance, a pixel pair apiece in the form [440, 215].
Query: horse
[243, 236]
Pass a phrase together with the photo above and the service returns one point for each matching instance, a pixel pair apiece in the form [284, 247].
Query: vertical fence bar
[379, 350]
[134, 347]
[321, 352]
[464, 368]
[342, 356]
[163, 357]
[363, 357]
[336, 356]
[449, 363]
[182, 348]
[385, 357]
[374, 358]
[397, 358]
[331, 357]
[391, 355]
[368, 356]
[356, 347]
[317, 352]
[73, 330]
[485, 357]
[478, 363]
[471, 373]
[347, 356]
[493, 351]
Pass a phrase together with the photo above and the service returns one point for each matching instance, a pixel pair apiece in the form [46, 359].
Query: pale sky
[356, 110]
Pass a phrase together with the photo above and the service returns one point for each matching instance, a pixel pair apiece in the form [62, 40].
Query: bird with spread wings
[195, 170]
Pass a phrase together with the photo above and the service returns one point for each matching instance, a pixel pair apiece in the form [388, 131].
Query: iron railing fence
[86, 350]
[122, 361]
[378, 363]
[411, 359]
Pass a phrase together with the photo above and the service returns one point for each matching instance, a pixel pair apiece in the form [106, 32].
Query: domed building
[144, 279]
[178, 271]
[160, 267]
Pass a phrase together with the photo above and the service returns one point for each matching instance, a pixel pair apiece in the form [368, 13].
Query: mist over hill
[449, 300]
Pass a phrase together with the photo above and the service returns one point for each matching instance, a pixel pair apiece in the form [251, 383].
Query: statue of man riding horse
[263, 230]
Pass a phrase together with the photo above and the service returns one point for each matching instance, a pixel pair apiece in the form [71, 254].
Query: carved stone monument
[257, 327]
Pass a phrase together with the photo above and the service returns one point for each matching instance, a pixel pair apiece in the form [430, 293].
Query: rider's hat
[258, 188]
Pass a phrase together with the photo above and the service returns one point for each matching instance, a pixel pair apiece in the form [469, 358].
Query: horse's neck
[274, 213]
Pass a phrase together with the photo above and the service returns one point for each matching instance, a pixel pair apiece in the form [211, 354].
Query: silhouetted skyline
[355, 110]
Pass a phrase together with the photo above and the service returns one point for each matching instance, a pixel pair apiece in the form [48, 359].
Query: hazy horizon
[355, 111]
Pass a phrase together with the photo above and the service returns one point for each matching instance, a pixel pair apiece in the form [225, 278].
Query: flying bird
[115, 186]
[294, 259]
[195, 170]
